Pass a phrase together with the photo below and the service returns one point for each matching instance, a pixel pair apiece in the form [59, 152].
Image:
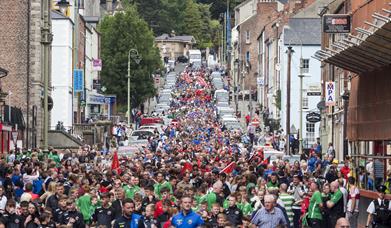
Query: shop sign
[336, 23]
[78, 80]
[97, 64]
[313, 117]
[330, 93]
[314, 90]
[260, 81]
[14, 135]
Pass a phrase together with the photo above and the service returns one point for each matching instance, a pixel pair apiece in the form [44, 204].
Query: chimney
[109, 6]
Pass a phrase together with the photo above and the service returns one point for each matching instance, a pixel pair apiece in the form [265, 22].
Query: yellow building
[172, 46]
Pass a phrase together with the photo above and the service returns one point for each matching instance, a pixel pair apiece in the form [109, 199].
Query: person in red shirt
[345, 170]
[166, 196]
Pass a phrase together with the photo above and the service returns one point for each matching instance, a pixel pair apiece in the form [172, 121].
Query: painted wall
[62, 73]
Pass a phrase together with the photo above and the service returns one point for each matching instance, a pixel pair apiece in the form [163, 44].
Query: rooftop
[184, 38]
[303, 31]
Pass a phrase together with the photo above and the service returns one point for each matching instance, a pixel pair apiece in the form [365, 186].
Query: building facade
[172, 46]
[62, 70]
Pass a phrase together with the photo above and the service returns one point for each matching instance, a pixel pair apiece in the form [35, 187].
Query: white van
[195, 57]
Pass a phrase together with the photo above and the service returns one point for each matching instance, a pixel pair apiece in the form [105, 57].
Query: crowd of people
[195, 174]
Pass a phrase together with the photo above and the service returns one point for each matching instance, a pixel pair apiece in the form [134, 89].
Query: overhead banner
[330, 93]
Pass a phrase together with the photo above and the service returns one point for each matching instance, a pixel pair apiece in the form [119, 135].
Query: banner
[330, 93]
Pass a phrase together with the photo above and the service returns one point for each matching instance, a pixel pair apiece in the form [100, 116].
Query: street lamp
[63, 5]
[133, 54]
[236, 74]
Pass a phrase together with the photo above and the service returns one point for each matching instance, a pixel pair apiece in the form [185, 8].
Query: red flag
[186, 166]
[265, 162]
[115, 163]
[229, 168]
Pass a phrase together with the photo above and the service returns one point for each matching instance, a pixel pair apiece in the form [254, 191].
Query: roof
[311, 11]
[92, 19]
[241, 4]
[303, 31]
[57, 15]
[184, 38]
[283, 1]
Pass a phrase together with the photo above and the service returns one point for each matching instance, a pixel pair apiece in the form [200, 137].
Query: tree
[120, 33]
[220, 6]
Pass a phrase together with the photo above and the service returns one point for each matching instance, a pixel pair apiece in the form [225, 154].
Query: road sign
[14, 135]
[260, 81]
[313, 117]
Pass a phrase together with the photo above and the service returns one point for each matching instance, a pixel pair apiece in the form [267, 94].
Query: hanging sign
[330, 93]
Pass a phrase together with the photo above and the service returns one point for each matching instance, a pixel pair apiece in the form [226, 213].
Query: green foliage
[220, 6]
[120, 33]
[185, 17]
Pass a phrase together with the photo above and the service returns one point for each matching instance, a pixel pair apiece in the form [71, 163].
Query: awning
[367, 51]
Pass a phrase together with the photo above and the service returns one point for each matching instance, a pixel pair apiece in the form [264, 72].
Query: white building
[304, 36]
[61, 70]
[95, 102]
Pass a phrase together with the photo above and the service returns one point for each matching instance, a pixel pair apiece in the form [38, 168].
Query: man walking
[269, 215]
[187, 218]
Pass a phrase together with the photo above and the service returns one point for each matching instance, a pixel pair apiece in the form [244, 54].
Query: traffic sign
[314, 93]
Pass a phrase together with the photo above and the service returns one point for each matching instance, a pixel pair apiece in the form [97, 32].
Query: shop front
[5, 138]
[94, 105]
[364, 54]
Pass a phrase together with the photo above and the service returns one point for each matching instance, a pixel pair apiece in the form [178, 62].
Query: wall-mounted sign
[336, 23]
[260, 81]
[78, 80]
[97, 64]
[330, 93]
[313, 117]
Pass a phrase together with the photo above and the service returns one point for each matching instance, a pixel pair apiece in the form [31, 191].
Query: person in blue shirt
[187, 218]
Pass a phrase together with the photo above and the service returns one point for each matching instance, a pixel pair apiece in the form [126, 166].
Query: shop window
[305, 102]
[310, 133]
[306, 65]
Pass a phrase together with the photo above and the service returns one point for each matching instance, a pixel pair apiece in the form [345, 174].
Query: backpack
[382, 215]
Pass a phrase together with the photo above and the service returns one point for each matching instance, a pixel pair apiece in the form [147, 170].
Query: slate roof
[305, 31]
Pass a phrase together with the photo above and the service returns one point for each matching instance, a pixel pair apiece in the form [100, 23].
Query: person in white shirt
[3, 200]
[353, 202]
[377, 209]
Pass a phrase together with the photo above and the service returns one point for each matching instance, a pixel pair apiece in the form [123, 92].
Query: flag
[265, 162]
[115, 163]
[229, 168]
[187, 166]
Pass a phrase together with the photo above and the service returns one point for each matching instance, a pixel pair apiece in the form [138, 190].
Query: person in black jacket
[116, 205]
[52, 201]
[10, 218]
[103, 216]
[234, 214]
[72, 217]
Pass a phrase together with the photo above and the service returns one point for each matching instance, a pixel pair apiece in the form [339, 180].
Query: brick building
[20, 54]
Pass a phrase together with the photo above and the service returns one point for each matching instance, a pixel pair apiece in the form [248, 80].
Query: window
[247, 37]
[310, 133]
[305, 102]
[247, 56]
[306, 65]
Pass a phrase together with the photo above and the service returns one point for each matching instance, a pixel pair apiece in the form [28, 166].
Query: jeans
[353, 218]
[296, 218]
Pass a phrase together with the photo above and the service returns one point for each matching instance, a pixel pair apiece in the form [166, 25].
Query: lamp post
[133, 54]
[63, 5]
[236, 76]
[46, 40]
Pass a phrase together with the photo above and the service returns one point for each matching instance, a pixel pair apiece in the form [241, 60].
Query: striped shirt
[273, 218]
[288, 202]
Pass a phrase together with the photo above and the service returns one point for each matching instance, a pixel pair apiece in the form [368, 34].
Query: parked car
[182, 59]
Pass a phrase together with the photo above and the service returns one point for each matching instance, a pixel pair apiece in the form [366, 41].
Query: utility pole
[46, 40]
[288, 99]
[301, 106]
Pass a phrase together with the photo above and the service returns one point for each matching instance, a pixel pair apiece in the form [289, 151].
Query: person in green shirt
[161, 183]
[214, 196]
[314, 214]
[273, 183]
[84, 203]
[132, 188]
[336, 203]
